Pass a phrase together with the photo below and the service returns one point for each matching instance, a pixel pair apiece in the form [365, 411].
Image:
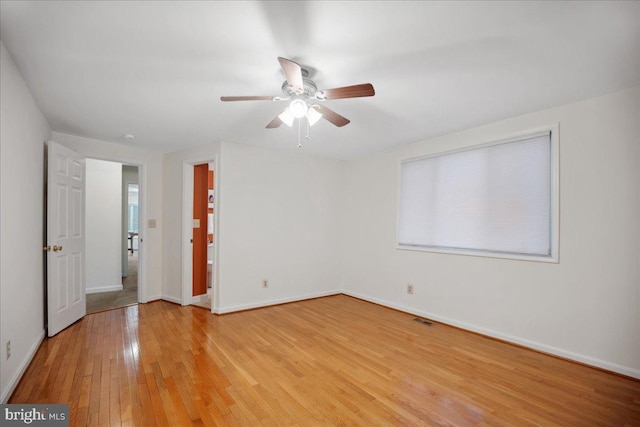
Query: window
[498, 199]
[132, 208]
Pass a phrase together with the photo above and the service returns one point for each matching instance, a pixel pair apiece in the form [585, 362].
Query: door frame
[187, 230]
[142, 216]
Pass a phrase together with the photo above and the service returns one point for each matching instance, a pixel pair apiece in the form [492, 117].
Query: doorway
[203, 236]
[112, 233]
[200, 234]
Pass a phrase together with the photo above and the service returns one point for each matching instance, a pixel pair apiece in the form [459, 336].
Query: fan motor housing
[310, 88]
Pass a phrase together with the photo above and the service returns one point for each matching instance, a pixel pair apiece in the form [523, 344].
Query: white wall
[103, 221]
[279, 220]
[587, 307]
[150, 171]
[278, 215]
[22, 134]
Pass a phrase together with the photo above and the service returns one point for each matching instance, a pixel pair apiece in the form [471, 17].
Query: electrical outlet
[410, 289]
[8, 349]
[265, 283]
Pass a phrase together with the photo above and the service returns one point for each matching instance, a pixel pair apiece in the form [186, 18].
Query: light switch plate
[196, 223]
[152, 223]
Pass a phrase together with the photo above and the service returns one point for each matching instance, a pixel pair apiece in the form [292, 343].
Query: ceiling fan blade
[332, 116]
[293, 73]
[355, 91]
[275, 123]
[247, 98]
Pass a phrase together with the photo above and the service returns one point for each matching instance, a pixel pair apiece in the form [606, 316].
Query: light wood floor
[329, 361]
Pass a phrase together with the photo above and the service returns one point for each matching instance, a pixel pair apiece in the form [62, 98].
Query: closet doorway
[199, 232]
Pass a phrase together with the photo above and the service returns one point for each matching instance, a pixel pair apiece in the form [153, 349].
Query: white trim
[479, 253]
[142, 232]
[165, 298]
[104, 289]
[555, 192]
[13, 383]
[215, 270]
[215, 273]
[553, 130]
[224, 310]
[588, 360]
[515, 137]
[187, 232]
[170, 299]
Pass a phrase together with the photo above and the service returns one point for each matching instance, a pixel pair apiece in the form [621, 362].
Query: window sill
[478, 253]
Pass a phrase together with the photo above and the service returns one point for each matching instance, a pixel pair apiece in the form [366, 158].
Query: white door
[65, 237]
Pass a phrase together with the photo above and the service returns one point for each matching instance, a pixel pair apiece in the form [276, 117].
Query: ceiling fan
[303, 94]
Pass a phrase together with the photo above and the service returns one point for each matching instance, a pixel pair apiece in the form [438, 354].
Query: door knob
[46, 248]
[57, 248]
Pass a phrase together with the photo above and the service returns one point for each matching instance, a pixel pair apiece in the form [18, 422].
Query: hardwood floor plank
[328, 361]
[104, 389]
[178, 404]
[80, 418]
[115, 411]
[94, 397]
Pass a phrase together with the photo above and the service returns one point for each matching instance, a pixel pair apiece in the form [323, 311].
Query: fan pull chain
[308, 137]
[299, 126]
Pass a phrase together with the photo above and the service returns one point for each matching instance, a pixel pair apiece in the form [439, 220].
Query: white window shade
[492, 199]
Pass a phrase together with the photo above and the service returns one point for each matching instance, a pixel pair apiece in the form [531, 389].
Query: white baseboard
[6, 394]
[104, 289]
[224, 310]
[587, 360]
[171, 299]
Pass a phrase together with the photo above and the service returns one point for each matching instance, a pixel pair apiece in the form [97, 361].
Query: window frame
[129, 206]
[553, 130]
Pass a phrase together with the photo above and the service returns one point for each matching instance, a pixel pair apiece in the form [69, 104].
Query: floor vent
[424, 321]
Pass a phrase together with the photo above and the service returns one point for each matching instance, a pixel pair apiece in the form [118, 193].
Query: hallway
[127, 296]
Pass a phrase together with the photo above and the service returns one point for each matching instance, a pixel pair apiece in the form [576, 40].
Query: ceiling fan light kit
[298, 108]
[303, 92]
[313, 115]
[285, 117]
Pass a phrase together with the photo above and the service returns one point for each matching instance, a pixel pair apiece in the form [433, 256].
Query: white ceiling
[157, 69]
